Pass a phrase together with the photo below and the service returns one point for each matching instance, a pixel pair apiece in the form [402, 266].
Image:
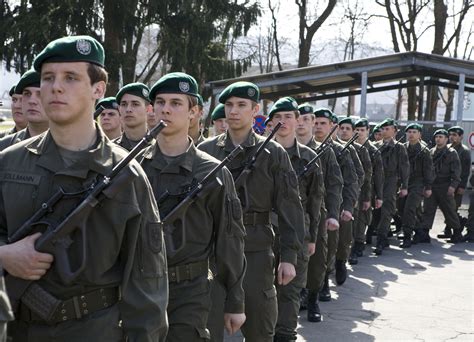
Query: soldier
[469, 237]
[346, 131]
[396, 169]
[211, 226]
[455, 137]
[122, 292]
[419, 182]
[323, 124]
[17, 114]
[377, 133]
[195, 124]
[311, 188]
[109, 119]
[447, 169]
[330, 210]
[32, 108]
[133, 103]
[364, 217]
[6, 313]
[273, 173]
[218, 119]
[151, 118]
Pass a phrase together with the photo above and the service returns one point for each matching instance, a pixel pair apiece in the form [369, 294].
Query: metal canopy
[361, 76]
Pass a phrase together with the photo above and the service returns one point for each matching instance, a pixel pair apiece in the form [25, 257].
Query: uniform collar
[225, 141]
[184, 161]
[294, 150]
[100, 157]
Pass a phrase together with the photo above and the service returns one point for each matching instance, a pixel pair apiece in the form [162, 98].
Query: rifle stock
[308, 167]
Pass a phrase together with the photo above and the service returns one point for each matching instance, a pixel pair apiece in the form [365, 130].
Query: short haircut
[97, 73]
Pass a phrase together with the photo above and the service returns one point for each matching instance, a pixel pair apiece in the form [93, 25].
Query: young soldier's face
[305, 125]
[455, 138]
[31, 105]
[151, 117]
[288, 120]
[441, 140]
[109, 120]
[17, 113]
[322, 127]
[378, 136]
[133, 111]
[175, 111]
[363, 132]
[413, 136]
[240, 113]
[197, 118]
[220, 126]
[388, 132]
[345, 132]
[67, 93]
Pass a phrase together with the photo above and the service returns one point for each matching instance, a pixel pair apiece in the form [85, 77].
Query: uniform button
[83, 298]
[84, 305]
[85, 312]
[63, 311]
[64, 318]
[105, 305]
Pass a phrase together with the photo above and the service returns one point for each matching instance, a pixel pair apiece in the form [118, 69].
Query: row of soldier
[270, 230]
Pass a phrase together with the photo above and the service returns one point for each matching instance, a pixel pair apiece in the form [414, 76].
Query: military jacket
[395, 161]
[351, 189]
[447, 166]
[125, 142]
[12, 139]
[366, 189]
[421, 166]
[8, 132]
[311, 187]
[125, 245]
[357, 162]
[272, 184]
[333, 181]
[377, 170]
[465, 159]
[212, 223]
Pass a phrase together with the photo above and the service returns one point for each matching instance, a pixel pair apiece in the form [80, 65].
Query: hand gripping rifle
[309, 167]
[241, 179]
[176, 218]
[57, 238]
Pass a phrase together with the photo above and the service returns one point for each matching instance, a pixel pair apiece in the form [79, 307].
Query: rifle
[385, 144]
[57, 238]
[324, 142]
[348, 143]
[308, 167]
[98, 111]
[176, 215]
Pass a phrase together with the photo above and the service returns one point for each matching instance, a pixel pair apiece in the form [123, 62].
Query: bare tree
[307, 32]
[275, 33]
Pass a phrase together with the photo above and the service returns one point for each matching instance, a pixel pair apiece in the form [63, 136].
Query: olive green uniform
[125, 248]
[125, 142]
[12, 139]
[470, 219]
[420, 179]
[396, 170]
[212, 229]
[447, 168]
[6, 313]
[465, 158]
[8, 132]
[311, 188]
[363, 218]
[331, 207]
[272, 184]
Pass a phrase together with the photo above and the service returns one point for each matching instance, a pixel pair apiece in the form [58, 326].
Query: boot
[360, 249]
[304, 299]
[425, 237]
[368, 238]
[406, 243]
[379, 247]
[447, 233]
[456, 237]
[314, 313]
[325, 293]
[400, 236]
[341, 272]
[283, 338]
[353, 257]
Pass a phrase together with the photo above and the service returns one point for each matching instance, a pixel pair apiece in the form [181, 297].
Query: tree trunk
[412, 103]
[112, 45]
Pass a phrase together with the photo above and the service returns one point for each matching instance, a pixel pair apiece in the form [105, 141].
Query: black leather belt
[254, 218]
[189, 271]
[75, 307]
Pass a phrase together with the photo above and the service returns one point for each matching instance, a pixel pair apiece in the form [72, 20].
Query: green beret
[175, 83]
[137, 89]
[285, 104]
[334, 118]
[71, 49]
[456, 129]
[323, 113]
[218, 112]
[108, 103]
[388, 122]
[31, 78]
[414, 125]
[200, 101]
[346, 120]
[245, 90]
[12, 91]
[362, 123]
[377, 129]
[306, 108]
[441, 131]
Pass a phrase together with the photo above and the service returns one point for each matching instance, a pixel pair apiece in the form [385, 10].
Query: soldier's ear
[98, 90]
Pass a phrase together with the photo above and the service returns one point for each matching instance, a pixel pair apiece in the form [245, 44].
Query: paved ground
[425, 293]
